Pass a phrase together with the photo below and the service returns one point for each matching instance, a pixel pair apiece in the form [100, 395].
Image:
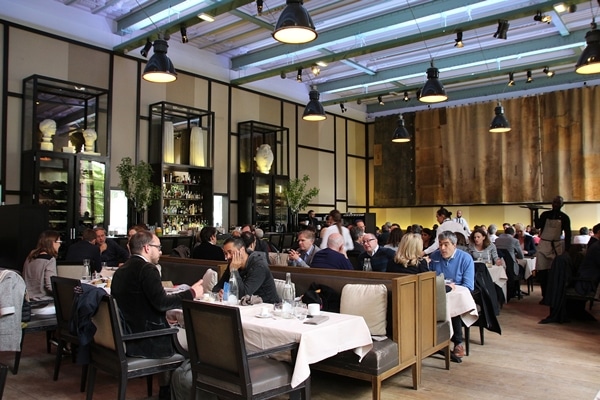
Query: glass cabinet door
[92, 183]
[53, 181]
[263, 202]
[280, 209]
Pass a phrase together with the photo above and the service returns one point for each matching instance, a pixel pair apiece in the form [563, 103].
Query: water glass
[300, 310]
[278, 309]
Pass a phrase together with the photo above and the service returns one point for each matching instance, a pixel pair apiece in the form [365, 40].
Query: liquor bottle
[288, 296]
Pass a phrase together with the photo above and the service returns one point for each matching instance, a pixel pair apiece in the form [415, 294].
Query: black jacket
[485, 296]
[208, 251]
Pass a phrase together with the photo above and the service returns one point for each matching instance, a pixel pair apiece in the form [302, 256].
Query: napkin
[248, 300]
[319, 319]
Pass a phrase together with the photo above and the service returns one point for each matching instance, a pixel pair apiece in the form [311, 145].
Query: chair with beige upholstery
[73, 271]
[108, 351]
[219, 361]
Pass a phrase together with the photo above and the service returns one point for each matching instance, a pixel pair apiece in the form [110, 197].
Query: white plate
[264, 315]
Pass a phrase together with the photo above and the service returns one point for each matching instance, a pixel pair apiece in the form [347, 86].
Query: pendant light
[499, 124]
[589, 60]
[294, 25]
[160, 69]
[433, 91]
[314, 109]
[401, 134]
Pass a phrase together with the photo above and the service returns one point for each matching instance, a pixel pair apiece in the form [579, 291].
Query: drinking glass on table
[300, 310]
[86, 270]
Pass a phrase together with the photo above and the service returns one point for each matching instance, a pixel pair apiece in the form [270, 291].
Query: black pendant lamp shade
[160, 69]
[314, 109]
[401, 134]
[589, 60]
[294, 25]
[433, 91]
[499, 124]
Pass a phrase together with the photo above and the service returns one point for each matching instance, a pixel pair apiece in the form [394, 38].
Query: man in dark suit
[303, 257]
[334, 256]
[379, 256]
[208, 249]
[86, 249]
[142, 300]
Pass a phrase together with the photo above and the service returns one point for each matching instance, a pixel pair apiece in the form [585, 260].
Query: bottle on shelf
[288, 296]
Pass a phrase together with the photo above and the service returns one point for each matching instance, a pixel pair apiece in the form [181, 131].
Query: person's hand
[198, 289]
[174, 316]
[293, 255]
[452, 285]
[236, 261]
[499, 262]
[220, 295]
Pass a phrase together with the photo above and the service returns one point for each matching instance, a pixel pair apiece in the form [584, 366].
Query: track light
[539, 17]
[314, 109]
[458, 41]
[503, 26]
[146, 48]
[159, 68]
[529, 77]
[259, 7]
[433, 91]
[499, 122]
[358, 101]
[380, 100]
[342, 108]
[184, 36]
[589, 60]
[299, 75]
[294, 25]
[511, 79]
[401, 134]
[406, 98]
[549, 73]
[315, 70]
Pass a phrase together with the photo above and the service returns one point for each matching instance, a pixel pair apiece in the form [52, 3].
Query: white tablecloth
[459, 301]
[529, 266]
[316, 342]
[498, 274]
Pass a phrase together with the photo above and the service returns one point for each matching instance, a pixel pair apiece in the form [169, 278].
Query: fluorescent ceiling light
[206, 17]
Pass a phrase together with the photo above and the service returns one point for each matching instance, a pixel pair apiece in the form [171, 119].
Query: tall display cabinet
[181, 155]
[264, 172]
[65, 163]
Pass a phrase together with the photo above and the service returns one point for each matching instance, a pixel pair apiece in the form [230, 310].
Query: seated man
[208, 249]
[86, 249]
[143, 301]
[251, 270]
[110, 251]
[506, 241]
[334, 256]
[457, 265]
[303, 256]
[379, 256]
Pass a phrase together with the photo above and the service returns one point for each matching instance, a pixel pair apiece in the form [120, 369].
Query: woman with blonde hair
[40, 265]
[408, 258]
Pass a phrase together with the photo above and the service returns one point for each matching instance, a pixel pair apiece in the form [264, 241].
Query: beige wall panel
[219, 107]
[13, 146]
[31, 54]
[357, 194]
[316, 134]
[150, 93]
[356, 138]
[583, 215]
[201, 94]
[342, 173]
[88, 66]
[289, 121]
[320, 171]
[124, 116]
[245, 106]
[269, 111]
[143, 142]
[181, 91]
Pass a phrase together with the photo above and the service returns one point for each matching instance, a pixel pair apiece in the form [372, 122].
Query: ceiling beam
[144, 12]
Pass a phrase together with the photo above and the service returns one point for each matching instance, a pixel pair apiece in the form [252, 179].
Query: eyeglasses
[58, 241]
[368, 240]
[158, 246]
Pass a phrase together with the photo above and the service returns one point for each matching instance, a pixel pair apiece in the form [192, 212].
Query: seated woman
[482, 249]
[40, 266]
[208, 249]
[525, 241]
[393, 241]
[408, 258]
[428, 237]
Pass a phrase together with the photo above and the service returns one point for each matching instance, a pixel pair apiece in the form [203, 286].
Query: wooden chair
[63, 292]
[72, 271]
[3, 374]
[219, 361]
[108, 351]
[275, 240]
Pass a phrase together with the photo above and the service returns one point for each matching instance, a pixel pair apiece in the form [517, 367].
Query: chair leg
[91, 380]
[3, 374]
[49, 341]
[59, 351]
[481, 334]
[18, 354]
[149, 385]
[467, 339]
[84, 372]
[447, 356]
[376, 388]
[122, 386]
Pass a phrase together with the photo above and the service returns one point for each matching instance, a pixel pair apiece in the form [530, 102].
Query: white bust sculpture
[264, 158]
[90, 136]
[48, 129]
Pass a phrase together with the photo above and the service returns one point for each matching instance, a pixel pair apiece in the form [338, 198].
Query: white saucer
[264, 315]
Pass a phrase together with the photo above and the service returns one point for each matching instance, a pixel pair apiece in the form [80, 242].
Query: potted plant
[136, 182]
[298, 196]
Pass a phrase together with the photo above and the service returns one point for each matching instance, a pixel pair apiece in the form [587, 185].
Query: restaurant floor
[529, 360]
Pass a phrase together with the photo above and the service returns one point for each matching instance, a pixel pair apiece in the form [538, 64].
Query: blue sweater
[459, 266]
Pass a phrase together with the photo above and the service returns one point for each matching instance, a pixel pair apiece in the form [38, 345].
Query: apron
[550, 244]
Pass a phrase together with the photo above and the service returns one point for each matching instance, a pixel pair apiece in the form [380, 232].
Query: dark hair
[139, 240]
[483, 232]
[237, 242]
[416, 228]
[395, 237]
[45, 244]
[596, 228]
[336, 216]
[356, 232]
[307, 233]
[584, 230]
[206, 233]
[248, 238]
[444, 212]
[88, 234]
[510, 230]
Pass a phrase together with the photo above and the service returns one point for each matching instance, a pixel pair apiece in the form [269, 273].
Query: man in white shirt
[459, 218]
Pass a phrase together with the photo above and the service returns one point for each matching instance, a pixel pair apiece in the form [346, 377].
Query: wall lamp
[503, 26]
[549, 73]
[380, 100]
[294, 25]
[539, 17]
[529, 77]
[511, 79]
[184, 36]
[459, 40]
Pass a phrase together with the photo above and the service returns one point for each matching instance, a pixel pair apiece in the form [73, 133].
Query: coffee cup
[314, 309]
[264, 311]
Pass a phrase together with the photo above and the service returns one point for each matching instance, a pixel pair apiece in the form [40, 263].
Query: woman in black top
[408, 258]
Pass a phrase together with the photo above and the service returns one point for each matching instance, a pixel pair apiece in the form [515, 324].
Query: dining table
[499, 277]
[460, 302]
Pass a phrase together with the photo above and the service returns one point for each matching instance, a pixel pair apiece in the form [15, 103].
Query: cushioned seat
[382, 357]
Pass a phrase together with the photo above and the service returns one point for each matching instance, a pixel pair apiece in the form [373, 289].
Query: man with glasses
[379, 256]
[142, 300]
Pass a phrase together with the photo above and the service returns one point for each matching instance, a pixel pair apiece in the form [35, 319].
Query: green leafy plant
[136, 182]
[297, 194]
